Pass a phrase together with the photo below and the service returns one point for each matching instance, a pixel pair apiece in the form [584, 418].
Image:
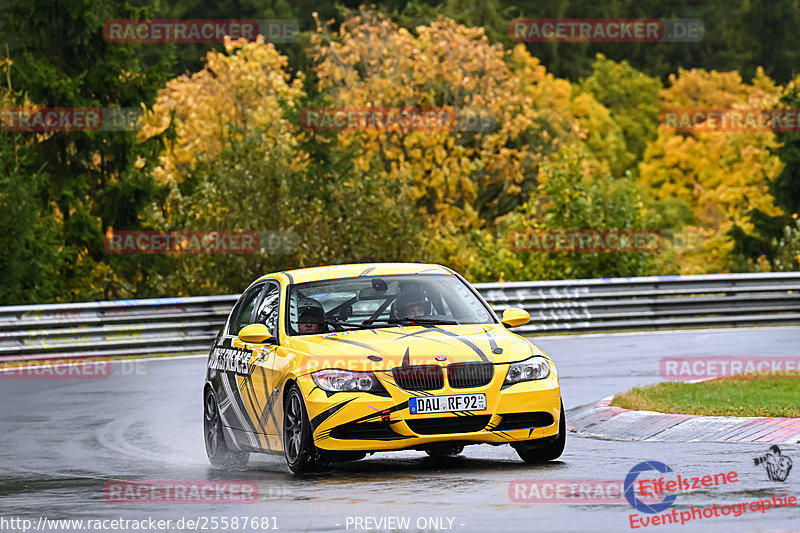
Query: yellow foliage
[720, 175]
[377, 64]
[374, 63]
[246, 88]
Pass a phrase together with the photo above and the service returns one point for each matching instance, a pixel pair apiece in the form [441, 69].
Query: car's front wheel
[298, 445]
[219, 455]
[535, 452]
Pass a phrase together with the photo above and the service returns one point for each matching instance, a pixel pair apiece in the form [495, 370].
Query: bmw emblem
[440, 358]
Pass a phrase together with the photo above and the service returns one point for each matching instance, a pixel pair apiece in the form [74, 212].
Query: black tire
[219, 455]
[301, 455]
[541, 453]
[445, 450]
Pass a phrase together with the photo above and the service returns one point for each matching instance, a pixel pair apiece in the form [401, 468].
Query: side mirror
[255, 334]
[514, 316]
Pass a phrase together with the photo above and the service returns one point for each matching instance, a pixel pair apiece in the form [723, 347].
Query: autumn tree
[772, 243]
[226, 163]
[719, 176]
[373, 63]
[79, 180]
[463, 182]
[238, 160]
[632, 100]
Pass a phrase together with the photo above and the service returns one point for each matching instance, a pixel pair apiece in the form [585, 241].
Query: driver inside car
[312, 320]
[412, 305]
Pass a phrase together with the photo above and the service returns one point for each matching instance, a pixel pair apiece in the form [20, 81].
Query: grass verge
[742, 395]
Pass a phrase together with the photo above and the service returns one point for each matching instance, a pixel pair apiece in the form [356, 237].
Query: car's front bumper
[367, 422]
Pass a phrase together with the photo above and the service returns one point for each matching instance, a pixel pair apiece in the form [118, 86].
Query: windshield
[385, 301]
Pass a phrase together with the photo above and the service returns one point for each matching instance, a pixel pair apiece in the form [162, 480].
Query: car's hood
[386, 348]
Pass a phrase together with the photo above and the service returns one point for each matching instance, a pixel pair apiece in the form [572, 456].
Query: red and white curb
[615, 423]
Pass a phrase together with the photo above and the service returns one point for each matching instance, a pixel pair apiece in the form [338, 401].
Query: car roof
[303, 275]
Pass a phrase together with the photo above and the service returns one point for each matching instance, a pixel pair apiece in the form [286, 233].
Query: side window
[244, 310]
[268, 308]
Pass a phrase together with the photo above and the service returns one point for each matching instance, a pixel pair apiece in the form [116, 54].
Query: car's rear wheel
[219, 455]
[298, 445]
[535, 452]
[445, 450]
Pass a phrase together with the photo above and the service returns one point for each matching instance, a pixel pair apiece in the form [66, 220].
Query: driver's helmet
[410, 300]
[310, 311]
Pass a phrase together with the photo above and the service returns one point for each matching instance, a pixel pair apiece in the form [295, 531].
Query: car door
[232, 359]
[260, 392]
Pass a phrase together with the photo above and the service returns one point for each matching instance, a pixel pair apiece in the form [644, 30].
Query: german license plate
[421, 405]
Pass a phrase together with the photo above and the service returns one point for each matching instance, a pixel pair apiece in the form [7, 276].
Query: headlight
[344, 381]
[536, 367]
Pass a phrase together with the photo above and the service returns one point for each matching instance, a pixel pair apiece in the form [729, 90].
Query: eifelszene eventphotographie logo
[630, 495]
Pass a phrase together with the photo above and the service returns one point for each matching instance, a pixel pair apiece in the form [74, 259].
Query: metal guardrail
[188, 325]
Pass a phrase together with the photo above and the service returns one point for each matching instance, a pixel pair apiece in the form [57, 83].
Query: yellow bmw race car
[327, 364]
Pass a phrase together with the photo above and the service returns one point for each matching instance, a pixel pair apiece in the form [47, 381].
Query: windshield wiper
[422, 321]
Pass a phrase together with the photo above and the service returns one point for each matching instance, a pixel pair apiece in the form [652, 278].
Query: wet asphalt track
[62, 440]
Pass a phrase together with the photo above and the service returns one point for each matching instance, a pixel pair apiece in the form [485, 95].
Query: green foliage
[787, 249]
[786, 187]
[739, 35]
[232, 191]
[491, 15]
[60, 59]
[632, 98]
[570, 200]
[28, 246]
